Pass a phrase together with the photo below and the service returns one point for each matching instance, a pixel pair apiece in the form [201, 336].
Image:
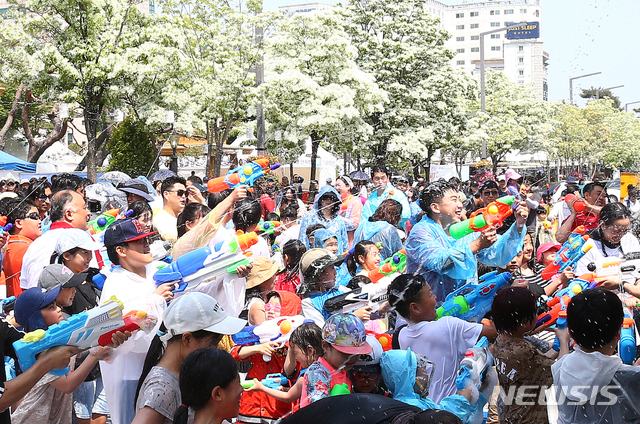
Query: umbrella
[359, 175]
[161, 175]
[115, 177]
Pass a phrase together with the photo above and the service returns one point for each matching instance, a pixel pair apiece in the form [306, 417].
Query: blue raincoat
[389, 193]
[342, 273]
[379, 232]
[335, 224]
[399, 374]
[448, 264]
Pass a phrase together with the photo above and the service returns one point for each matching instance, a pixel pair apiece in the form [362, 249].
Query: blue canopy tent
[8, 162]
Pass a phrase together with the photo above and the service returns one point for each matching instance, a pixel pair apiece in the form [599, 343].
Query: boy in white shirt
[444, 342]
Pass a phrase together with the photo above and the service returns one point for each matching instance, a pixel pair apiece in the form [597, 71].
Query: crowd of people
[392, 361]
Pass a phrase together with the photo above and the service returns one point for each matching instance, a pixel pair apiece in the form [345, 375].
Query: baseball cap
[315, 261]
[261, 270]
[544, 247]
[369, 362]
[137, 186]
[28, 304]
[198, 311]
[124, 230]
[487, 184]
[346, 333]
[500, 178]
[74, 237]
[59, 275]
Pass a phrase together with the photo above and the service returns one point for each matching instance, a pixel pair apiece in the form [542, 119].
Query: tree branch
[11, 116]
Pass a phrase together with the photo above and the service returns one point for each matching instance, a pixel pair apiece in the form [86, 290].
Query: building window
[521, 72]
[508, 23]
[475, 14]
[495, 24]
[508, 12]
[459, 15]
[495, 36]
[495, 48]
[459, 26]
[459, 38]
[459, 50]
[152, 7]
[520, 48]
[494, 12]
[475, 26]
[523, 10]
[521, 60]
[475, 37]
[520, 82]
[475, 49]
[460, 62]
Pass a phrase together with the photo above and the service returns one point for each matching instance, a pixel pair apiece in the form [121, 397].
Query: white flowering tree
[514, 119]
[401, 45]
[313, 86]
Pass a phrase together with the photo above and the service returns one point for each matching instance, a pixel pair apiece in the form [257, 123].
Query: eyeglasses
[365, 375]
[34, 216]
[615, 229]
[490, 193]
[45, 198]
[179, 193]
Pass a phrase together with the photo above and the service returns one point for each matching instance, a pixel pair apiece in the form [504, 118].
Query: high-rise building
[523, 61]
[144, 7]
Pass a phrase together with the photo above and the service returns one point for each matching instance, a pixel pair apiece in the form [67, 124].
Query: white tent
[58, 158]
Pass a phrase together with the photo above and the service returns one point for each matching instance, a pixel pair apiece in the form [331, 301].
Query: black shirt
[8, 335]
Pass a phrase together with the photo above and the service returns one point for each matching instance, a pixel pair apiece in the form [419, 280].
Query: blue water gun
[475, 364]
[570, 253]
[472, 301]
[272, 381]
[243, 175]
[81, 330]
[6, 228]
[627, 343]
[206, 264]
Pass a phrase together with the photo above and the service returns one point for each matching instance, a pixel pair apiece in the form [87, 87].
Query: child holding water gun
[50, 400]
[517, 361]
[261, 280]
[266, 358]
[289, 278]
[193, 321]
[366, 256]
[343, 341]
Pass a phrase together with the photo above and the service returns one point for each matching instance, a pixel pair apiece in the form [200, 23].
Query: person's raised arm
[292, 395]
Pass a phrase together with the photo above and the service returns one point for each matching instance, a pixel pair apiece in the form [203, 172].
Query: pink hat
[511, 174]
[544, 247]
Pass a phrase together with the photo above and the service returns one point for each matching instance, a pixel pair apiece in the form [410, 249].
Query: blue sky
[581, 37]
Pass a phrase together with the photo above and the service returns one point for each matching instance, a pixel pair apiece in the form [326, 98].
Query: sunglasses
[490, 193]
[34, 216]
[179, 193]
[365, 375]
[45, 198]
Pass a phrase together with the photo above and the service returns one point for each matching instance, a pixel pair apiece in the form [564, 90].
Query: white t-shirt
[166, 225]
[561, 211]
[290, 233]
[37, 256]
[443, 342]
[261, 248]
[628, 244]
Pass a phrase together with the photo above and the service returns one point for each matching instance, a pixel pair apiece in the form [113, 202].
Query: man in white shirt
[174, 195]
[68, 210]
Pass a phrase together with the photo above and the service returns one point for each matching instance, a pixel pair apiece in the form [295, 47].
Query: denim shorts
[89, 398]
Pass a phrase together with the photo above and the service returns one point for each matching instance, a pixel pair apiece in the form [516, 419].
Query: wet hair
[513, 307]
[271, 216]
[194, 179]
[360, 249]
[379, 168]
[308, 335]
[38, 189]
[312, 229]
[169, 182]
[289, 212]
[214, 199]
[157, 349]
[67, 181]
[612, 212]
[294, 249]
[405, 290]
[390, 210]
[18, 209]
[594, 318]
[201, 372]
[588, 188]
[192, 212]
[139, 207]
[247, 212]
[60, 205]
[357, 281]
[428, 416]
[5, 205]
[434, 193]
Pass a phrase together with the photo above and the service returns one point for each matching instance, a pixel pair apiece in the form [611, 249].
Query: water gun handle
[129, 325]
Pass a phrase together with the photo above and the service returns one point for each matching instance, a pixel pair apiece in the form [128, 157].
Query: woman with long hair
[383, 228]
[351, 209]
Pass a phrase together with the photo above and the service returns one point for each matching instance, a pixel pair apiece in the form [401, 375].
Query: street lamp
[173, 141]
[630, 103]
[571, 84]
[598, 90]
[482, 77]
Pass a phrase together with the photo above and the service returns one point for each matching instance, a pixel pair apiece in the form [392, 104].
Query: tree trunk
[291, 172]
[91, 125]
[100, 142]
[11, 116]
[427, 165]
[494, 164]
[315, 144]
[37, 148]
